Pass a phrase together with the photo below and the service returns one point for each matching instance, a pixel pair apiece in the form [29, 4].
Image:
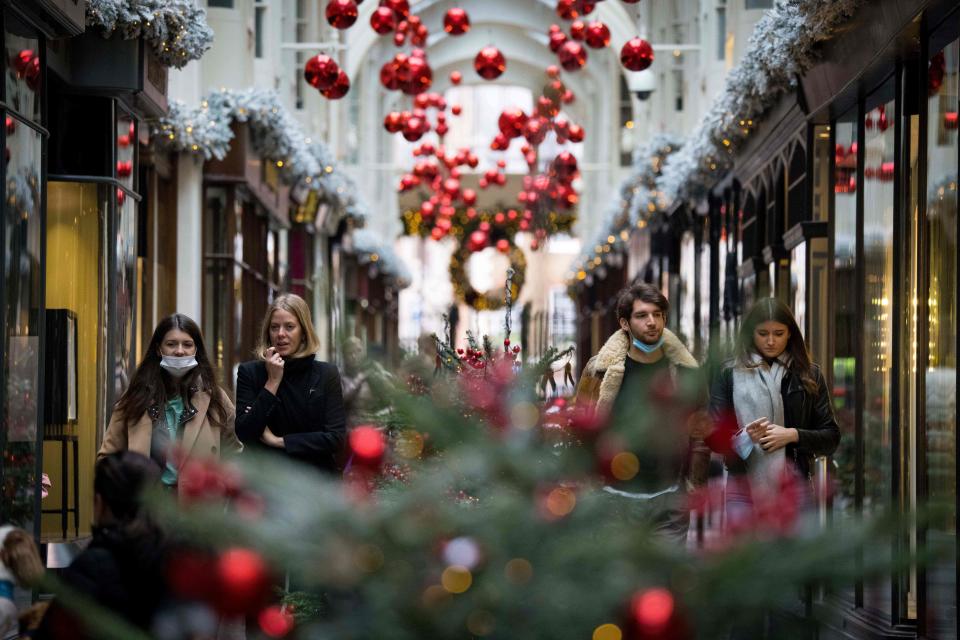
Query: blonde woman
[287, 400]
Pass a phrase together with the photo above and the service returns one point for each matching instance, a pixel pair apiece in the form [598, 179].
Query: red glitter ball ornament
[636, 54]
[572, 56]
[244, 582]
[341, 14]
[393, 122]
[383, 20]
[339, 88]
[367, 445]
[275, 621]
[578, 30]
[490, 63]
[597, 35]
[568, 9]
[556, 40]
[321, 71]
[575, 133]
[400, 7]
[511, 122]
[456, 22]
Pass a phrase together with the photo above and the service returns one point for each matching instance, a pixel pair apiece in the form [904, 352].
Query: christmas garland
[177, 30]
[489, 300]
[275, 134]
[781, 49]
[370, 250]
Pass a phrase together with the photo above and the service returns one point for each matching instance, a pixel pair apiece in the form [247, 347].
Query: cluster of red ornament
[324, 74]
[26, 64]
[635, 55]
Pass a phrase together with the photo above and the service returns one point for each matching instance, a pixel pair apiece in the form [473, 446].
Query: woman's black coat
[810, 414]
[307, 411]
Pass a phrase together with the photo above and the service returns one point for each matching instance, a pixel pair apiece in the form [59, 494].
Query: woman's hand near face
[270, 439]
[777, 437]
[274, 365]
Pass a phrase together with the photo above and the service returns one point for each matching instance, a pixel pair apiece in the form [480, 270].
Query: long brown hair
[150, 383]
[773, 309]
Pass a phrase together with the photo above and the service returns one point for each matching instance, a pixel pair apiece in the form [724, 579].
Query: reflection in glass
[22, 305]
[940, 372]
[23, 71]
[125, 294]
[126, 144]
[798, 286]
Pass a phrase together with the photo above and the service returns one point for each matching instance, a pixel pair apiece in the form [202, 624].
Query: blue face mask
[648, 348]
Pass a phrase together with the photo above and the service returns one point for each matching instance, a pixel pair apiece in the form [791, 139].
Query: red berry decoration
[456, 22]
[341, 14]
[383, 20]
[490, 63]
[636, 54]
[339, 88]
[598, 35]
[572, 56]
[321, 72]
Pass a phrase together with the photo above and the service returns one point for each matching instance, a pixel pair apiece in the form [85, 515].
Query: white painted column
[190, 236]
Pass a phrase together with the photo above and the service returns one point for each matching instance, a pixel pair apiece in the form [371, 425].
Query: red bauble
[368, 445]
[192, 575]
[400, 7]
[339, 88]
[575, 133]
[413, 129]
[511, 122]
[341, 14]
[565, 165]
[393, 122]
[456, 22]
[478, 240]
[503, 245]
[586, 7]
[535, 130]
[557, 39]
[321, 71]
[276, 621]
[567, 9]
[419, 76]
[578, 30]
[469, 197]
[383, 20]
[547, 107]
[456, 110]
[598, 35]
[553, 71]
[455, 77]
[244, 582]
[490, 63]
[636, 54]
[572, 56]
[500, 142]
[22, 61]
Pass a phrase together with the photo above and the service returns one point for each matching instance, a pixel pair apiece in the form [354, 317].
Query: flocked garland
[487, 300]
[275, 134]
[177, 30]
[781, 49]
[370, 250]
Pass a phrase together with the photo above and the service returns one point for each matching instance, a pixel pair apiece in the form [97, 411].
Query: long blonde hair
[296, 305]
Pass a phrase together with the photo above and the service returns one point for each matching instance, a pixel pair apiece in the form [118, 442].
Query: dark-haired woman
[780, 402]
[173, 402]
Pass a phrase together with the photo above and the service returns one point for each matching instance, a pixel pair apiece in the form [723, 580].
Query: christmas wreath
[487, 300]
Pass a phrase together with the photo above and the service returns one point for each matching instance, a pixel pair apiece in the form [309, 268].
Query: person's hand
[274, 366]
[777, 437]
[757, 429]
[268, 438]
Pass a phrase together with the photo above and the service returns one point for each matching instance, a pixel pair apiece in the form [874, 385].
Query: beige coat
[201, 438]
[601, 379]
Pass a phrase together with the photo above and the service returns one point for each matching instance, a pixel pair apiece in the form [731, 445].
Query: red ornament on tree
[321, 71]
[339, 88]
[275, 621]
[572, 56]
[367, 445]
[341, 14]
[636, 54]
[383, 20]
[456, 22]
[244, 581]
[490, 63]
[598, 35]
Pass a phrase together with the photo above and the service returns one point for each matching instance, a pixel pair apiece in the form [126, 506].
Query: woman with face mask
[173, 402]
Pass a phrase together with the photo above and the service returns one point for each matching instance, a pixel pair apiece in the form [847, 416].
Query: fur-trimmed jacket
[602, 377]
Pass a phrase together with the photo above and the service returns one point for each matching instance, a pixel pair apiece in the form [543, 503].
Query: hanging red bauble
[586, 7]
[321, 71]
[575, 133]
[276, 621]
[455, 77]
[420, 76]
[636, 54]
[399, 38]
[578, 30]
[456, 109]
[341, 14]
[469, 197]
[419, 37]
[413, 128]
[490, 63]
[567, 9]
[456, 22]
[367, 445]
[547, 107]
[22, 61]
[339, 88]
[390, 76]
[556, 40]
[572, 56]
[565, 165]
[553, 71]
[478, 240]
[598, 35]
[383, 20]
[244, 582]
[503, 245]
[568, 97]
[535, 130]
[511, 122]
[400, 7]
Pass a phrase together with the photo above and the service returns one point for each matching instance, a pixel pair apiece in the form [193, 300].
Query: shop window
[844, 312]
[259, 29]
[940, 372]
[124, 302]
[721, 33]
[22, 238]
[823, 149]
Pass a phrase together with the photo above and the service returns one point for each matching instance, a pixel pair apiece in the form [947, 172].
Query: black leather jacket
[811, 415]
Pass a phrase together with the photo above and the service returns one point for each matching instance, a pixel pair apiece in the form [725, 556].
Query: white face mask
[176, 366]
